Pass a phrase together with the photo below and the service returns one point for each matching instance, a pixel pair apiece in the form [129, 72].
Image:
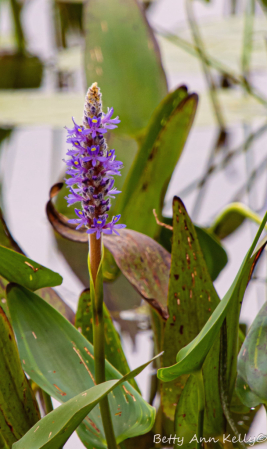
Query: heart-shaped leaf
[61, 361]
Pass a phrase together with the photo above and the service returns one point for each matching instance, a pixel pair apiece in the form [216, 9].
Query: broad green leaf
[119, 32]
[192, 356]
[18, 407]
[61, 361]
[15, 267]
[252, 364]
[113, 348]
[156, 160]
[192, 299]
[55, 428]
[231, 218]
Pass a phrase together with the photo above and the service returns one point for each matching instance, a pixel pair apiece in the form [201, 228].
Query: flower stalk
[92, 168]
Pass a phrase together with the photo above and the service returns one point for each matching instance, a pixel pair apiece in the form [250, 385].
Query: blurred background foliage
[147, 61]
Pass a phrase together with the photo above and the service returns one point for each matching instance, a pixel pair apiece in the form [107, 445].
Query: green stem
[19, 34]
[95, 255]
[247, 38]
[233, 7]
[202, 55]
[47, 402]
[201, 407]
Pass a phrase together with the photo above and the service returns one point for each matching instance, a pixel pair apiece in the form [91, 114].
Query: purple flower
[113, 226]
[95, 126]
[77, 163]
[73, 197]
[113, 192]
[79, 131]
[81, 221]
[76, 143]
[94, 155]
[97, 227]
[74, 180]
[108, 122]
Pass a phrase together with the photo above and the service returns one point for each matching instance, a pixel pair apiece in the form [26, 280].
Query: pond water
[31, 161]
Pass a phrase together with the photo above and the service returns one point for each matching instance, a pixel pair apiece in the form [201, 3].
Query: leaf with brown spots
[60, 360]
[65, 419]
[191, 300]
[18, 407]
[192, 357]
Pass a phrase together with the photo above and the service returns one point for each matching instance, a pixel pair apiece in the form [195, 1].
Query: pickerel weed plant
[211, 378]
[92, 169]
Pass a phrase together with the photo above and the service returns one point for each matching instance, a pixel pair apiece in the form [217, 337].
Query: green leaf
[192, 356]
[60, 360]
[55, 428]
[190, 290]
[231, 218]
[47, 293]
[119, 32]
[18, 407]
[17, 268]
[214, 253]
[113, 348]
[155, 162]
[252, 365]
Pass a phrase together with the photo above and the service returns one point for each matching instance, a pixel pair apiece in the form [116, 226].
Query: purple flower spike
[91, 168]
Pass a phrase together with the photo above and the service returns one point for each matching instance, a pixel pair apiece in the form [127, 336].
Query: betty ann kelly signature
[249, 440]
